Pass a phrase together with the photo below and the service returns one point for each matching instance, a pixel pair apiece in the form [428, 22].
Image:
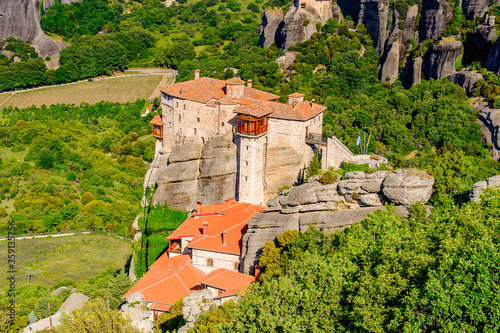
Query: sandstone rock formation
[389, 64]
[416, 76]
[407, 186]
[193, 306]
[478, 188]
[295, 27]
[441, 60]
[197, 172]
[409, 31]
[333, 206]
[473, 8]
[373, 14]
[435, 17]
[47, 3]
[138, 312]
[286, 60]
[21, 19]
[493, 63]
[489, 119]
[270, 28]
[478, 45]
[466, 79]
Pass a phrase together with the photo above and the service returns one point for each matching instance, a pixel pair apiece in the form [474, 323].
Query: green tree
[95, 317]
[314, 167]
[117, 287]
[45, 161]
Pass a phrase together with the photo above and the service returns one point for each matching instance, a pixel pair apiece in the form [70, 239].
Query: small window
[210, 263]
[248, 147]
[246, 178]
[179, 117]
[236, 266]
[222, 124]
[184, 106]
[195, 131]
[198, 119]
[176, 104]
[246, 163]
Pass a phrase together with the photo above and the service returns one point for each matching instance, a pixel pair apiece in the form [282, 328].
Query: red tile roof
[230, 216]
[168, 280]
[160, 307]
[301, 111]
[204, 89]
[230, 281]
[235, 81]
[156, 121]
[296, 95]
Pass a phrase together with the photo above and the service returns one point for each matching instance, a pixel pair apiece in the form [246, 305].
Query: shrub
[17, 149]
[86, 198]
[329, 177]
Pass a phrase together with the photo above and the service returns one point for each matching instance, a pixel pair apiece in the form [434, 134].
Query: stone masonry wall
[250, 163]
[221, 260]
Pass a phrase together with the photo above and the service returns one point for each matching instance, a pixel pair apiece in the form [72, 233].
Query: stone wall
[220, 260]
[336, 153]
[334, 206]
[251, 170]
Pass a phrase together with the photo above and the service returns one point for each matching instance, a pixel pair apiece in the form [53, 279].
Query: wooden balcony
[158, 131]
[251, 126]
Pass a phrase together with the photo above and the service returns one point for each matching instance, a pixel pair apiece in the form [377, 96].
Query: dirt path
[168, 78]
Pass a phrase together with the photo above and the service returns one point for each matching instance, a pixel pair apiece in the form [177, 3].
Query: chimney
[249, 83]
[205, 227]
[313, 100]
[196, 74]
[257, 270]
[224, 238]
[198, 207]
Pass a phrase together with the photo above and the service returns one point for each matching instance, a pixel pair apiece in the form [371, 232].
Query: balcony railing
[248, 125]
[158, 131]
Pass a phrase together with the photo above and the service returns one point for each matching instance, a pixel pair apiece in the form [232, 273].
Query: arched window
[184, 106]
[210, 263]
[176, 104]
[179, 117]
[236, 266]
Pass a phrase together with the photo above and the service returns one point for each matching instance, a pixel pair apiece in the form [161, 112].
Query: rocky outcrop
[389, 64]
[193, 306]
[298, 25]
[473, 8]
[21, 19]
[493, 63]
[416, 76]
[48, 3]
[337, 13]
[440, 62]
[270, 28]
[466, 79]
[72, 303]
[489, 119]
[137, 310]
[407, 186]
[478, 188]
[478, 45]
[410, 22]
[373, 14]
[334, 206]
[197, 172]
[286, 60]
[435, 17]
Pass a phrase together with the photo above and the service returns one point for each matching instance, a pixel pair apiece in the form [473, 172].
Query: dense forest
[83, 167]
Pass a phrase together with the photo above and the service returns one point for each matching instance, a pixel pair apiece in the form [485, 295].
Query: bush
[330, 177]
[86, 198]
[3, 212]
[17, 149]
[71, 176]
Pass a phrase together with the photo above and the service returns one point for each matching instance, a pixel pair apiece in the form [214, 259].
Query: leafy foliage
[386, 274]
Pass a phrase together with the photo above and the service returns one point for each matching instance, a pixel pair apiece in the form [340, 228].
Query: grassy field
[3, 98]
[122, 89]
[77, 257]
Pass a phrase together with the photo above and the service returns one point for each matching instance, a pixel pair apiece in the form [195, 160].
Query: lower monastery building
[203, 108]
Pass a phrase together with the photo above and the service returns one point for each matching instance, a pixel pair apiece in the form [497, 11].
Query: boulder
[372, 185]
[337, 13]
[478, 188]
[270, 28]
[286, 60]
[441, 60]
[195, 304]
[371, 199]
[466, 79]
[355, 175]
[301, 195]
[58, 291]
[328, 193]
[435, 17]
[408, 186]
[380, 174]
[350, 186]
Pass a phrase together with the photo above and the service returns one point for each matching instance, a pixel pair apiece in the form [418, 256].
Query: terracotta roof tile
[160, 307]
[235, 81]
[168, 280]
[156, 120]
[231, 216]
[259, 94]
[296, 95]
[230, 281]
[302, 111]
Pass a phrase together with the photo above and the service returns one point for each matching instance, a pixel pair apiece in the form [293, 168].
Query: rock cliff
[489, 119]
[196, 171]
[21, 19]
[373, 14]
[435, 17]
[46, 4]
[474, 8]
[478, 188]
[466, 79]
[441, 59]
[270, 28]
[334, 206]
